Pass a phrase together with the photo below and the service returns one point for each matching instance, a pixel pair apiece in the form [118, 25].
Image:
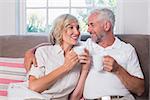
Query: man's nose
[89, 29]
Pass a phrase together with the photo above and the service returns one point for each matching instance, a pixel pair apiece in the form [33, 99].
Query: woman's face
[71, 33]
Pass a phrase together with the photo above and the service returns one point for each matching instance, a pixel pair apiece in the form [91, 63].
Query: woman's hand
[71, 59]
[85, 60]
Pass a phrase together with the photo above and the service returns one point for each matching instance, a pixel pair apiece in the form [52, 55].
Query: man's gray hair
[107, 14]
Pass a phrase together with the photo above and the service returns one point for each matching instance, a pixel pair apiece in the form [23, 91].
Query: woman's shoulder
[45, 48]
[49, 48]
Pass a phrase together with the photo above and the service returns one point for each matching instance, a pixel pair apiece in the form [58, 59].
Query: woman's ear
[107, 25]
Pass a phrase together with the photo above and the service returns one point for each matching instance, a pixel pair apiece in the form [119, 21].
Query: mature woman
[60, 70]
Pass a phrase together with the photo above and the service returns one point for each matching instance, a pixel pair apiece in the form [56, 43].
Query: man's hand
[110, 64]
[132, 83]
[29, 59]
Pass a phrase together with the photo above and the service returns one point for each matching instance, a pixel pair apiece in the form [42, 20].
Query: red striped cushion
[3, 93]
[11, 71]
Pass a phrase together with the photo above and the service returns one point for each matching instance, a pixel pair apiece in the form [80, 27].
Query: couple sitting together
[101, 68]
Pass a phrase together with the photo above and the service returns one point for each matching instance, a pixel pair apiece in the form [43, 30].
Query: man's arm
[29, 57]
[132, 83]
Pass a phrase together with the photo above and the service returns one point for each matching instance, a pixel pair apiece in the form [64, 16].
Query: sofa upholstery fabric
[15, 46]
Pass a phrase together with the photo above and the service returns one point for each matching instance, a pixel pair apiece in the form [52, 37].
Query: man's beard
[98, 38]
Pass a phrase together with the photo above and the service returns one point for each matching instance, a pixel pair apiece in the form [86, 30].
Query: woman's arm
[85, 60]
[77, 93]
[43, 83]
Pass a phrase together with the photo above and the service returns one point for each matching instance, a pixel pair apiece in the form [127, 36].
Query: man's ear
[107, 25]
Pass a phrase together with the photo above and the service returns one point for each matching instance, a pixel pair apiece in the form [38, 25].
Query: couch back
[15, 46]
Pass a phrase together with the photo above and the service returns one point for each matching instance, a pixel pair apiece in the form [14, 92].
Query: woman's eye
[71, 27]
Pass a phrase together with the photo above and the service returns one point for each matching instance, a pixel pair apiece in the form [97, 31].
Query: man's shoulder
[126, 45]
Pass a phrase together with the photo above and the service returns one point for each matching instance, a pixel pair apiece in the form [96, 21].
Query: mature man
[121, 72]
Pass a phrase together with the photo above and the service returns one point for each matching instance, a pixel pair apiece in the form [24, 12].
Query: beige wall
[7, 17]
[149, 17]
[133, 17]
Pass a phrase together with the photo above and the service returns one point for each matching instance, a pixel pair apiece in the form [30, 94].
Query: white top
[103, 83]
[48, 59]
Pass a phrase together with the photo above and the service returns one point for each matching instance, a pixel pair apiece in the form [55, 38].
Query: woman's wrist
[85, 68]
[85, 71]
[66, 67]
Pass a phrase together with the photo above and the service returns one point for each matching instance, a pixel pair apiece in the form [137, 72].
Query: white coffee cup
[79, 49]
[97, 62]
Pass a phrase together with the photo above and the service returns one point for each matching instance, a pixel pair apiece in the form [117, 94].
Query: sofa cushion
[11, 71]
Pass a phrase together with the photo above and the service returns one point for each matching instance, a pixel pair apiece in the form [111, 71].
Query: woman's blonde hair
[58, 28]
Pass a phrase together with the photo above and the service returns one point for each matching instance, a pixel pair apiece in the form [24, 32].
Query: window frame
[22, 13]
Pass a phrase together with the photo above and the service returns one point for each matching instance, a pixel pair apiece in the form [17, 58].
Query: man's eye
[92, 25]
[78, 27]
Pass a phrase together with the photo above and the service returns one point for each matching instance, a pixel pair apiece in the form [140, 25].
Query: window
[39, 14]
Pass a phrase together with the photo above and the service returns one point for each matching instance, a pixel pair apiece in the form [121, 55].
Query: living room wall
[149, 17]
[7, 17]
[133, 17]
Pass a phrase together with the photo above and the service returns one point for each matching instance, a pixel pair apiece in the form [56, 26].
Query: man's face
[96, 28]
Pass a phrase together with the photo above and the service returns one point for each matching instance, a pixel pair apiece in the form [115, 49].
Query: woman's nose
[77, 31]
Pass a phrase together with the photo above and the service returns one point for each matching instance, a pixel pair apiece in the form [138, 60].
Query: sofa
[14, 46]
